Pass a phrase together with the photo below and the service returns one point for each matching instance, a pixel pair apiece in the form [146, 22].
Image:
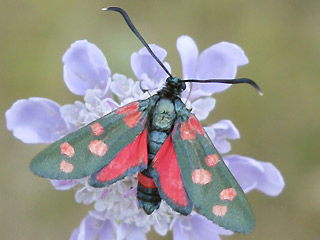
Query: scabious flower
[116, 214]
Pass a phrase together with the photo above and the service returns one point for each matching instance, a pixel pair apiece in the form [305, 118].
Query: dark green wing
[90, 148]
[210, 186]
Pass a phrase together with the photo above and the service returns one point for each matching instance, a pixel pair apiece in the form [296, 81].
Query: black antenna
[228, 81]
[135, 31]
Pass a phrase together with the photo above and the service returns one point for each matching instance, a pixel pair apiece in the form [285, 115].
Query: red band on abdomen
[146, 181]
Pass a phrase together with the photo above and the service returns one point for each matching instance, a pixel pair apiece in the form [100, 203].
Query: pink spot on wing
[212, 160]
[98, 147]
[228, 194]
[187, 133]
[132, 120]
[219, 210]
[67, 149]
[96, 129]
[196, 125]
[201, 176]
[129, 108]
[66, 167]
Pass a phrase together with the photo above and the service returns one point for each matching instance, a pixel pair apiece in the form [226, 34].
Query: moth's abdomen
[161, 123]
[147, 194]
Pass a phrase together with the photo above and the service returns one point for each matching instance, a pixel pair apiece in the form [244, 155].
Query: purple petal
[85, 67]
[36, 120]
[220, 132]
[95, 225]
[121, 86]
[202, 107]
[189, 53]
[72, 114]
[226, 129]
[131, 232]
[220, 61]
[64, 184]
[252, 174]
[197, 227]
[147, 69]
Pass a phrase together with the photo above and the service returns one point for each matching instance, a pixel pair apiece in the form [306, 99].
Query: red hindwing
[167, 176]
[132, 158]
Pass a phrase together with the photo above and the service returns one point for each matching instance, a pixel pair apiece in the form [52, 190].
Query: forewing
[167, 176]
[90, 148]
[211, 187]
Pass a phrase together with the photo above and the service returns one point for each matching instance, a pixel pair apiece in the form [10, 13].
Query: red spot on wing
[186, 131]
[132, 119]
[219, 210]
[96, 129]
[196, 124]
[66, 167]
[212, 160]
[132, 114]
[166, 164]
[131, 107]
[133, 155]
[228, 194]
[67, 149]
[146, 181]
[98, 147]
[201, 176]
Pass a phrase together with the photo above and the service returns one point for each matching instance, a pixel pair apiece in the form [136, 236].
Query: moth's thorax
[173, 88]
[163, 115]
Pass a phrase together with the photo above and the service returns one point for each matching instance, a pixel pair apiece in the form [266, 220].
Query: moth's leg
[143, 89]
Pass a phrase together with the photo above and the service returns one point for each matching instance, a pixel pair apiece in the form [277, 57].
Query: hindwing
[167, 176]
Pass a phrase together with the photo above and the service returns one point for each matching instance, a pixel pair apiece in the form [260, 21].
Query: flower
[86, 72]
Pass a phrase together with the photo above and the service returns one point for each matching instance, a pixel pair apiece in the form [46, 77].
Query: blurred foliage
[282, 42]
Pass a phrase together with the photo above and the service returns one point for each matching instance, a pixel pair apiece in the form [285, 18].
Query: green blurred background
[282, 42]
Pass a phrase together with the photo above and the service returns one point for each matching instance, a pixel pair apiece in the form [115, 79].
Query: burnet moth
[162, 141]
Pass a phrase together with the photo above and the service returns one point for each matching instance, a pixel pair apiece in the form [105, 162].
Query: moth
[164, 143]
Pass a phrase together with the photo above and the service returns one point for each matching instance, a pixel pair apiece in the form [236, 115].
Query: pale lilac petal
[85, 230]
[162, 225]
[98, 104]
[131, 232]
[147, 69]
[73, 114]
[64, 185]
[220, 61]
[85, 67]
[226, 129]
[95, 225]
[75, 234]
[189, 53]
[220, 132]
[252, 174]
[36, 120]
[121, 86]
[197, 227]
[84, 196]
[107, 232]
[202, 107]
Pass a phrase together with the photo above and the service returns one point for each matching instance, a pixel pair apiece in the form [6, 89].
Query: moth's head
[175, 84]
